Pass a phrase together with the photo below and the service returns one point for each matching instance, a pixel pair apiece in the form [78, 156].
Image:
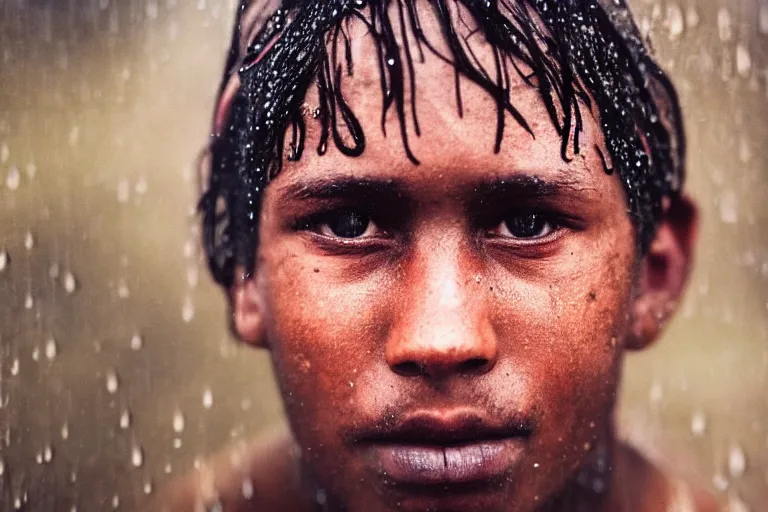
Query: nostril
[408, 369]
[473, 365]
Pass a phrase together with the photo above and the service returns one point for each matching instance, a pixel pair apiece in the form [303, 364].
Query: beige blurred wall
[111, 331]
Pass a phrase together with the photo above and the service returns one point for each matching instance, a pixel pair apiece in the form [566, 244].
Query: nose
[443, 326]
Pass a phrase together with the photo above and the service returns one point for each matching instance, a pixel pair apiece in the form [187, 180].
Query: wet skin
[449, 336]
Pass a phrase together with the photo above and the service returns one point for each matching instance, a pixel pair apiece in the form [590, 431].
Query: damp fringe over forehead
[575, 53]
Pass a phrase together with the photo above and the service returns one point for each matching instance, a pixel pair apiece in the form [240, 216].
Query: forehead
[457, 123]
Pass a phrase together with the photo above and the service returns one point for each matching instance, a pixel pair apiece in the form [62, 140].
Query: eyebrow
[345, 187]
[531, 186]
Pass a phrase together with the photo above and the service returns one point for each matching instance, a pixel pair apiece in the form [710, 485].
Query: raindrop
[141, 186]
[47, 454]
[65, 431]
[692, 17]
[4, 260]
[2, 467]
[247, 488]
[5, 153]
[15, 367]
[763, 17]
[724, 24]
[137, 457]
[122, 289]
[729, 207]
[29, 241]
[74, 136]
[167, 469]
[36, 354]
[29, 302]
[178, 421]
[675, 21]
[188, 310]
[54, 270]
[177, 443]
[115, 501]
[13, 180]
[112, 382]
[720, 482]
[743, 61]
[51, 349]
[736, 504]
[123, 191]
[125, 420]
[137, 342]
[70, 283]
[147, 487]
[737, 461]
[698, 424]
[207, 398]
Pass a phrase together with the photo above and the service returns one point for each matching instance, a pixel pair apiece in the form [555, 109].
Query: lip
[430, 448]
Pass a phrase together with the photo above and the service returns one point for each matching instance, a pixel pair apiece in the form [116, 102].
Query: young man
[447, 220]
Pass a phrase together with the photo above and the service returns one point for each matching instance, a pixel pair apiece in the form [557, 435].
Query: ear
[246, 302]
[664, 272]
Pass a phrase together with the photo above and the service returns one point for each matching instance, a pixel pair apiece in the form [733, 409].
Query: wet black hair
[575, 53]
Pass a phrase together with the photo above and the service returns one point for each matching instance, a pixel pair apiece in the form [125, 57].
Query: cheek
[563, 335]
[323, 330]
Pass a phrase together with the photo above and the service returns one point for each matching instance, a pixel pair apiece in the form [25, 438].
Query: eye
[346, 224]
[526, 226]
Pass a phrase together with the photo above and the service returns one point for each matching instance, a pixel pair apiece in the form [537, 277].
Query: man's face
[447, 335]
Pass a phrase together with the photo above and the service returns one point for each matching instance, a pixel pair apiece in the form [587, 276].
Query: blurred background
[117, 372]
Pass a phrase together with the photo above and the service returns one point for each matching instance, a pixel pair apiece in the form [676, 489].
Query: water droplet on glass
[167, 469]
[36, 354]
[177, 443]
[65, 431]
[112, 382]
[178, 422]
[29, 302]
[137, 342]
[2, 467]
[147, 487]
[115, 501]
[4, 260]
[207, 398]
[5, 153]
[51, 349]
[137, 457]
[54, 271]
[737, 461]
[13, 180]
[29, 241]
[15, 367]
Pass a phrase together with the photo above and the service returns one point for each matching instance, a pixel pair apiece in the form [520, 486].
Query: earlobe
[248, 313]
[664, 272]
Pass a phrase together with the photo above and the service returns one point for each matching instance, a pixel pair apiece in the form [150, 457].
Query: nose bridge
[442, 326]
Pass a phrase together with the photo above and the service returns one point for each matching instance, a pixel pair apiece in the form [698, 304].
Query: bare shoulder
[660, 491]
[257, 475]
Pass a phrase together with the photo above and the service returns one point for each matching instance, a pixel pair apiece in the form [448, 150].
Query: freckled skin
[501, 328]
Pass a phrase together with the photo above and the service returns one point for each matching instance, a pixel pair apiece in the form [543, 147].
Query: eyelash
[315, 222]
